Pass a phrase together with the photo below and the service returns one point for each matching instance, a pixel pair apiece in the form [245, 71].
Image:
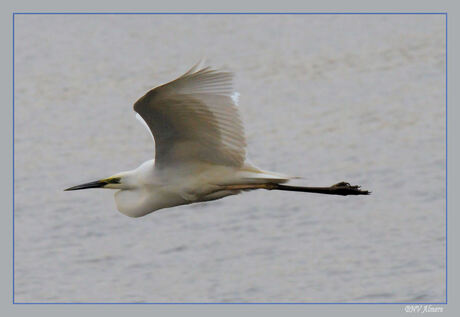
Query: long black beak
[96, 184]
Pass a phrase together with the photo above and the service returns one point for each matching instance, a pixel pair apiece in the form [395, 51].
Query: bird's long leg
[341, 188]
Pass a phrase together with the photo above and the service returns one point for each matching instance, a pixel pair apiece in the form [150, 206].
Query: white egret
[200, 150]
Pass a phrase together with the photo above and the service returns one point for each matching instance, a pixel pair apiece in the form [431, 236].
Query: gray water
[330, 98]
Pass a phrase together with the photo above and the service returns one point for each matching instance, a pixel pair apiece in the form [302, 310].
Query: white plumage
[200, 148]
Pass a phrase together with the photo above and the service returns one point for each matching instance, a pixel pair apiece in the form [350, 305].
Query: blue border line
[240, 13]
[13, 161]
[446, 162]
[205, 303]
[223, 13]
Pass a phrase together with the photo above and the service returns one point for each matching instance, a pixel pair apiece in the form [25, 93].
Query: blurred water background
[359, 98]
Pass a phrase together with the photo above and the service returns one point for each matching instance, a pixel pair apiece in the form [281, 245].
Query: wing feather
[195, 118]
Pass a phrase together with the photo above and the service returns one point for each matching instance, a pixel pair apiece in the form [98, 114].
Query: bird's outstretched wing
[195, 119]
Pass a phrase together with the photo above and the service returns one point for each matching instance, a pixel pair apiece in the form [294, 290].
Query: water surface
[330, 98]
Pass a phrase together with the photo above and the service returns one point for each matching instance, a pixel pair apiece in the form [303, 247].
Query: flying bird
[200, 149]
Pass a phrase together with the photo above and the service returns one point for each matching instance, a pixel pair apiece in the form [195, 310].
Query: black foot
[344, 188]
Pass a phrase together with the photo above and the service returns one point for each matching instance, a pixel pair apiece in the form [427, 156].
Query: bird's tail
[250, 174]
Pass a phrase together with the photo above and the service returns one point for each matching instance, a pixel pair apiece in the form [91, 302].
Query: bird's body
[147, 188]
[200, 149]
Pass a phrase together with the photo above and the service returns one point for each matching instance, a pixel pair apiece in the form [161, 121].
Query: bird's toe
[342, 184]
